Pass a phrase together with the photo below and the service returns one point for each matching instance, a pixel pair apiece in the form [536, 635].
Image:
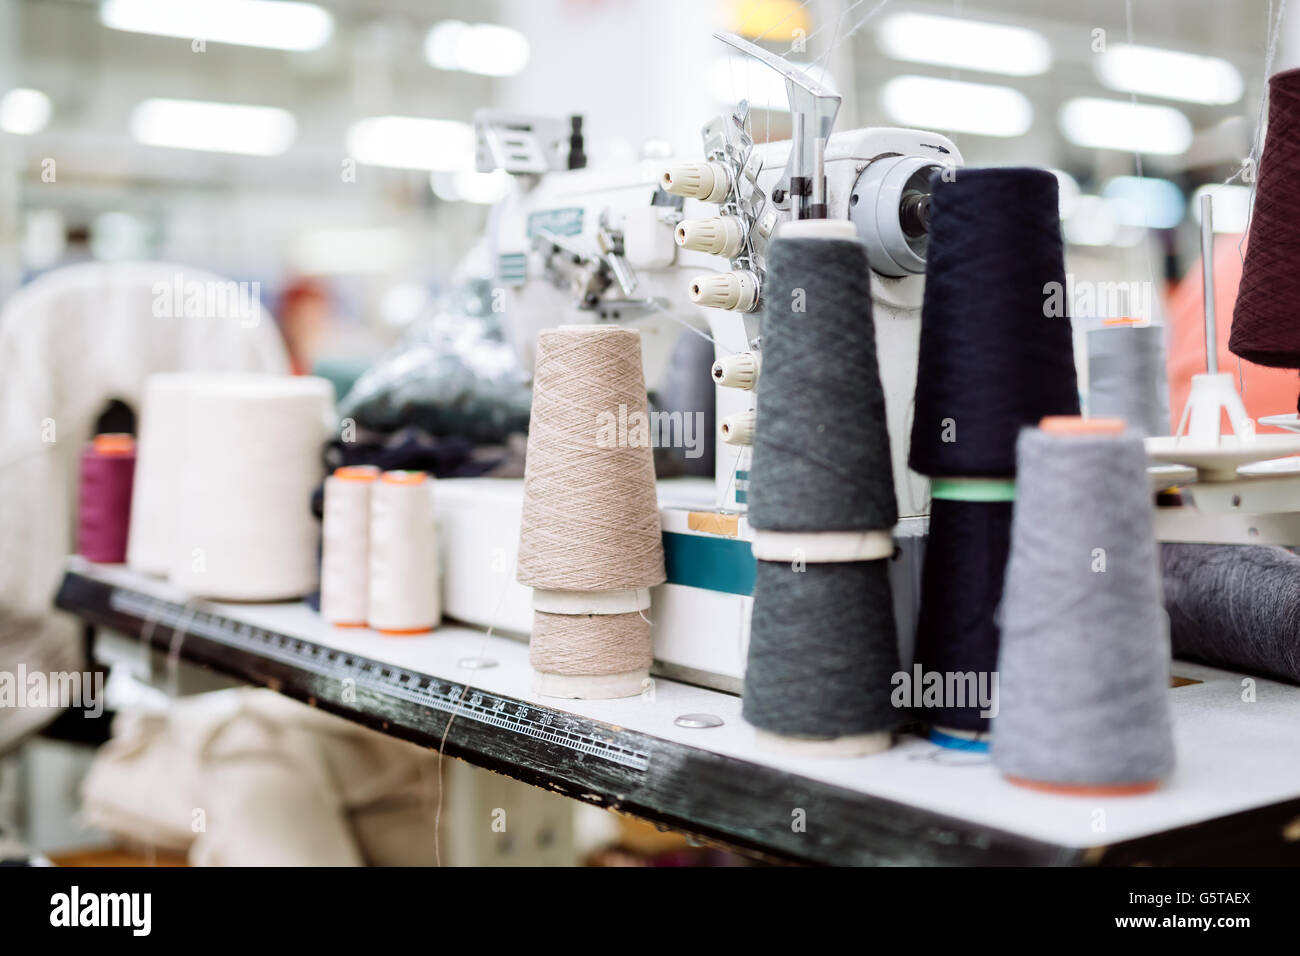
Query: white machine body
[551, 235]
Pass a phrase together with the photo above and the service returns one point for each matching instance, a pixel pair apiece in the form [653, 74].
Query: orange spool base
[406, 633]
[350, 624]
[1078, 425]
[1087, 789]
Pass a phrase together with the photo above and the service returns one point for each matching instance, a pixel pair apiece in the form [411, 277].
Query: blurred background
[325, 151]
[108, 151]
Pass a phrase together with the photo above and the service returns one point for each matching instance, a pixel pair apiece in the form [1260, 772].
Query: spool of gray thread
[821, 446]
[825, 651]
[1084, 663]
[1126, 376]
[1235, 606]
[823, 643]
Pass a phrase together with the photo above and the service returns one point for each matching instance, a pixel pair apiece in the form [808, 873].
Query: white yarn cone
[159, 465]
[250, 464]
[404, 587]
[345, 548]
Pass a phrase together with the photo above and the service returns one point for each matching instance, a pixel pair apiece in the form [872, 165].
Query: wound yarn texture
[589, 644]
[991, 357]
[590, 515]
[1126, 376]
[1235, 606]
[823, 645]
[1084, 662]
[961, 584]
[1265, 323]
[247, 465]
[345, 548]
[821, 448]
[822, 650]
[104, 504]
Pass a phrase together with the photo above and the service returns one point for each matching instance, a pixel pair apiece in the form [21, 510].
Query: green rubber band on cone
[973, 489]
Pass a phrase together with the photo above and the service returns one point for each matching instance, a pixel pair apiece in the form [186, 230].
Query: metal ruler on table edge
[447, 696]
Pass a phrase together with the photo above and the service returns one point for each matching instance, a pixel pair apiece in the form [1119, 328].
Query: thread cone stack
[590, 543]
[823, 644]
[994, 356]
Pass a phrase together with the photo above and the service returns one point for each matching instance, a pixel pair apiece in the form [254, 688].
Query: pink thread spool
[104, 498]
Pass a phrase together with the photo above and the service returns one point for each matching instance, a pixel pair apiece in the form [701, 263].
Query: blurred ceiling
[634, 67]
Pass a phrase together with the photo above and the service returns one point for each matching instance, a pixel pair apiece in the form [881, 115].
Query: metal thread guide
[802, 186]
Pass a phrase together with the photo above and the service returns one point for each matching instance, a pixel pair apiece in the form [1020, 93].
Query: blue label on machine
[710, 562]
[558, 222]
[512, 268]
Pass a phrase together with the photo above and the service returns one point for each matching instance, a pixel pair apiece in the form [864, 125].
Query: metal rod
[819, 176]
[1207, 270]
[797, 171]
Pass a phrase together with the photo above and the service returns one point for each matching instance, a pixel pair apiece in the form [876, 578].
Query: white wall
[630, 67]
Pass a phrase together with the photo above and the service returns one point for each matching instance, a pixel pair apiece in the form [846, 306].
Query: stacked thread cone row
[823, 646]
[590, 541]
[379, 558]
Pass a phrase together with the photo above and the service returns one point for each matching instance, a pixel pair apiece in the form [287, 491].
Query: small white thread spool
[404, 595]
[345, 550]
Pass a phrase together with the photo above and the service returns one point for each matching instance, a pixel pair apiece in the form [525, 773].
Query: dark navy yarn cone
[961, 588]
[997, 352]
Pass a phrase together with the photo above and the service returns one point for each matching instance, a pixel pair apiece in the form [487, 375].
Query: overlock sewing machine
[659, 245]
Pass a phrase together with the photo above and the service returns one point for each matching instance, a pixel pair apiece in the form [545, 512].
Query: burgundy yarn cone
[1266, 319]
[104, 512]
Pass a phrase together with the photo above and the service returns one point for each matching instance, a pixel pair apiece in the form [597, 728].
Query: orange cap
[113, 443]
[1078, 425]
[1088, 790]
[356, 473]
[403, 477]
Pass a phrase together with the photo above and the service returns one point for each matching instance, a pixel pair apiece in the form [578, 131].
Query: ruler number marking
[479, 705]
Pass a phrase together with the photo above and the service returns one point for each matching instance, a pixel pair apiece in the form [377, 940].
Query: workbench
[1234, 797]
